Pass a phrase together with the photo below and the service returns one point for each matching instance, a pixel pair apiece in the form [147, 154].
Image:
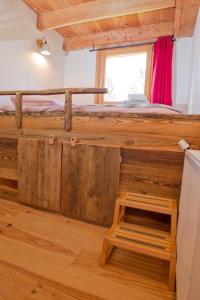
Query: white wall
[80, 71]
[186, 71]
[21, 66]
[194, 100]
[182, 67]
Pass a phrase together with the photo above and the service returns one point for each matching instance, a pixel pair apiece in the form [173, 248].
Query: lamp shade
[43, 47]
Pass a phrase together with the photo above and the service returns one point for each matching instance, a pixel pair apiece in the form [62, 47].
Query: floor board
[46, 256]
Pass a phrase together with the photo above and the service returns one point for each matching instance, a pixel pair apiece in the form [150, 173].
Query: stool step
[141, 239]
[149, 203]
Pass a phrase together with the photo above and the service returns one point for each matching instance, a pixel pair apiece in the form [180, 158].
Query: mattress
[58, 106]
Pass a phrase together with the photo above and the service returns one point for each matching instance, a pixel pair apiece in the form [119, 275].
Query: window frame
[101, 63]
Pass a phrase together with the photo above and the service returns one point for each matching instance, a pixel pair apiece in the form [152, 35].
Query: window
[126, 72]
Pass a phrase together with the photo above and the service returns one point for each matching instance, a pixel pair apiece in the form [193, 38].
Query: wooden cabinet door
[90, 182]
[39, 172]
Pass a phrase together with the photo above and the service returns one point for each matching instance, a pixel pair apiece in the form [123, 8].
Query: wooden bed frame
[49, 160]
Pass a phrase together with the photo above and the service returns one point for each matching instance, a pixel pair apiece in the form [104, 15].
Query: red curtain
[161, 89]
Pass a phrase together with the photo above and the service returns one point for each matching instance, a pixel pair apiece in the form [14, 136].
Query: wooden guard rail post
[18, 109]
[68, 111]
[68, 92]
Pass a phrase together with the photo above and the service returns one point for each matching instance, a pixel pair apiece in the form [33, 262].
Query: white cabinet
[188, 238]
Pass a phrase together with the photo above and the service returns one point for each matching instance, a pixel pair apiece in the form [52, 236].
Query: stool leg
[173, 225]
[116, 213]
[106, 252]
[122, 213]
[172, 272]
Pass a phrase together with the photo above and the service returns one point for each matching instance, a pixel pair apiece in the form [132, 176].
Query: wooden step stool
[142, 239]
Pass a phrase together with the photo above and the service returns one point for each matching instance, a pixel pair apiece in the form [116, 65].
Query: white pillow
[5, 100]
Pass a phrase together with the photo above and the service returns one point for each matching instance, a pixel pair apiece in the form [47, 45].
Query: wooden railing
[68, 92]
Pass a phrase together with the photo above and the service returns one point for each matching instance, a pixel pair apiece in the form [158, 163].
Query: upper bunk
[149, 127]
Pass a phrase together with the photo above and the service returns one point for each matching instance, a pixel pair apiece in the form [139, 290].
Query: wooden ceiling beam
[119, 37]
[97, 10]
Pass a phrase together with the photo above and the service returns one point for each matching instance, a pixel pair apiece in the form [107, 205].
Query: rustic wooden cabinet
[39, 170]
[90, 182]
[80, 182]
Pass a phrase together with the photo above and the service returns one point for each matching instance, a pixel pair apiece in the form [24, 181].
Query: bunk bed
[49, 159]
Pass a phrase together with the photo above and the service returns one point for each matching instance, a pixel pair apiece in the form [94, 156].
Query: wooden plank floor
[46, 256]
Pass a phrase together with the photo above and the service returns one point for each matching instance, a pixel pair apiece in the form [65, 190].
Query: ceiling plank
[97, 10]
[119, 37]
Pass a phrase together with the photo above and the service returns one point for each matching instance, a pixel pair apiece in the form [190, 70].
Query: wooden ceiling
[88, 23]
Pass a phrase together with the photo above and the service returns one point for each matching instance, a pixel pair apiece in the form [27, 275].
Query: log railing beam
[68, 92]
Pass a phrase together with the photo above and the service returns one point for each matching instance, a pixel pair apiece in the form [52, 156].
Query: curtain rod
[126, 46]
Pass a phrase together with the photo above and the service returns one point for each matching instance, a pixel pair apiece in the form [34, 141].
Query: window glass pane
[125, 75]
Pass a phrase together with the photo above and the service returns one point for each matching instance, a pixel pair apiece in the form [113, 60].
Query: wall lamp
[43, 46]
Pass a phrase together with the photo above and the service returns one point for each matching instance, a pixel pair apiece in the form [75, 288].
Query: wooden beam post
[18, 110]
[178, 17]
[97, 10]
[185, 17]
[68, 111]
